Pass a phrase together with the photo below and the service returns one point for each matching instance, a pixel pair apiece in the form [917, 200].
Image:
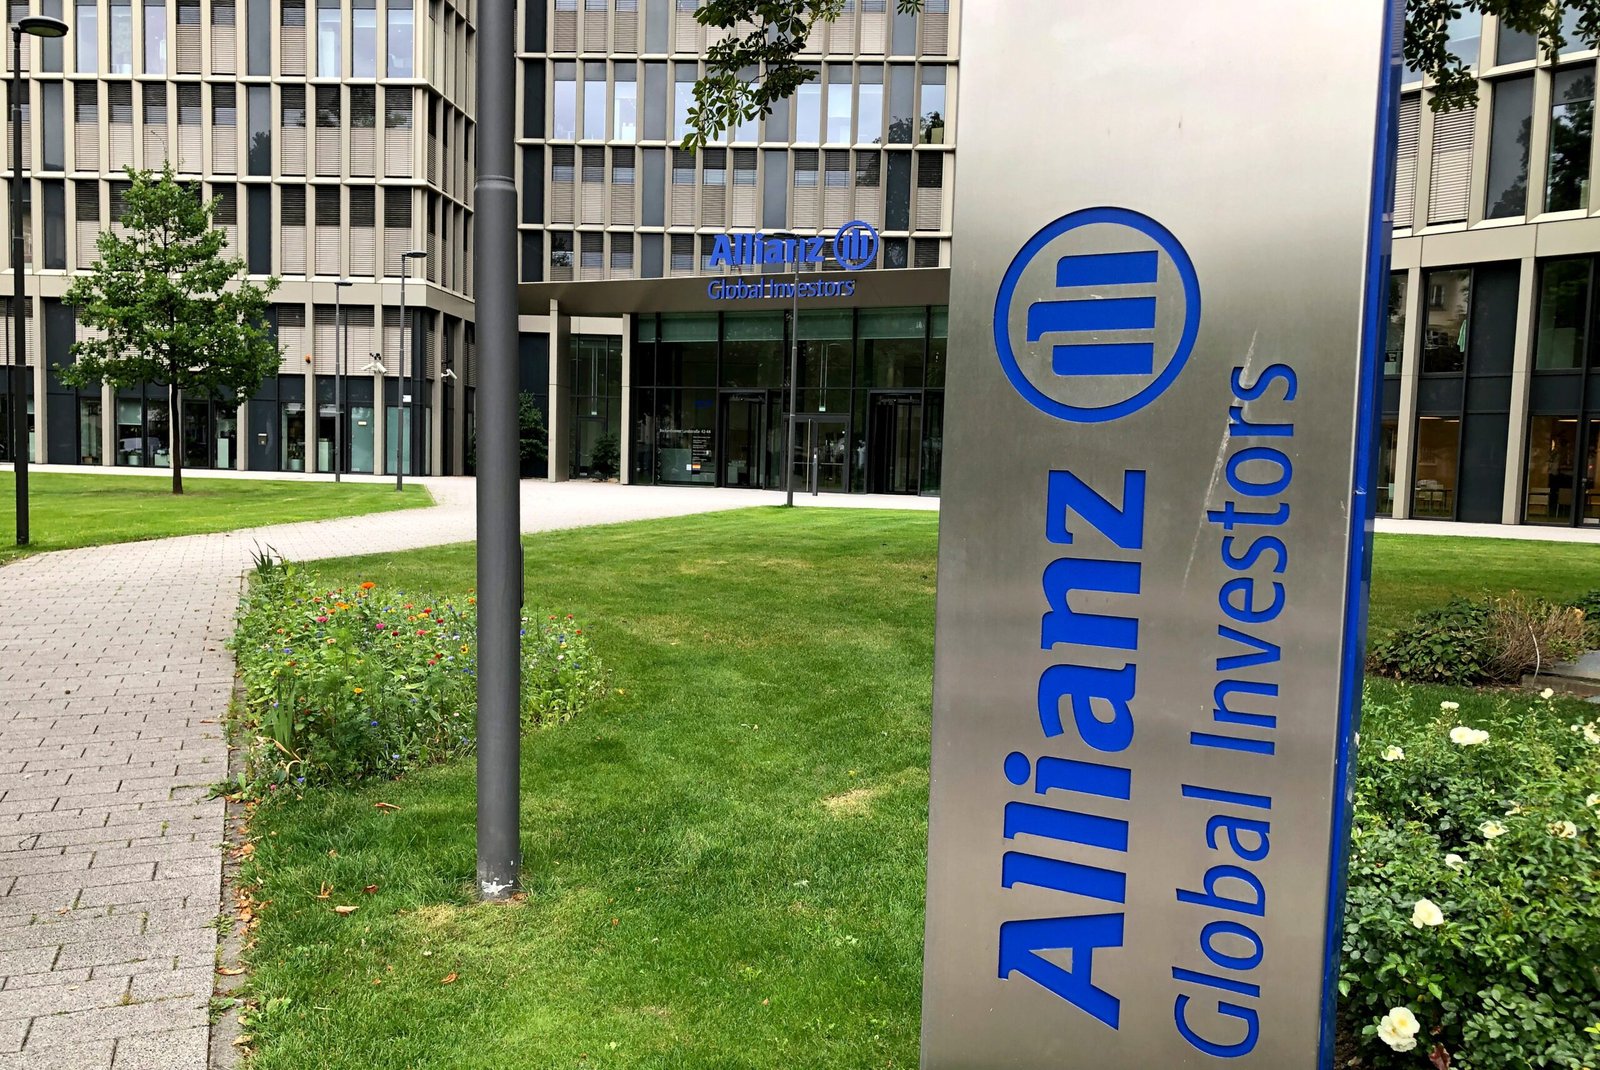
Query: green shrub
[606, 461]
[1480, 640]
[1503, 837]
[345, 684]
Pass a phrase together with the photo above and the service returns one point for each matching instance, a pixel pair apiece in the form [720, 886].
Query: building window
[1438, 456]
[1449, 298]
[684, 75]
[1563, 314]
[400, 39]
[564, 125]
[625, 103]
[808, 109]
[1388, 450]
[53, 140]
[258, 36]
[840, 92]
[1508, 148]
[933, 108]
[121, 37]
[1466, 35]
[258, 103]
[1571, 140]
[330, 36]
[869, 129]
[594, 101]
[748, 129]
[154, 37]
[902, 110]
[87, 30]
[1514, 46]
[50, 50]
[1553, 479]
[363, 39]
[1394, 347]
[55, 224]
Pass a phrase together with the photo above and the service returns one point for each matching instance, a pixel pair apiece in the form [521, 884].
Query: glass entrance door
[744, 441]
[821, 455]
[894, 442]
[1590, 490]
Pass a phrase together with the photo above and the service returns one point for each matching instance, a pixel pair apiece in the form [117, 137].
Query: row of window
[875, 27]
[359, 50]
[1466, 39]
[843, 104]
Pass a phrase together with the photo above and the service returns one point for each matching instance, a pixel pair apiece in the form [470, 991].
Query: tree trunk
[175, 436]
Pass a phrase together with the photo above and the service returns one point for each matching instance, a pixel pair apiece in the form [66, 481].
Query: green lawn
[69, 510]
[1416, 572]
[725, 860]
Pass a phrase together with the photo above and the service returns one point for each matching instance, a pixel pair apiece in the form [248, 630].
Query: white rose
[1564, 830]
[1591, 733]
[1449, 706]
[1426, 914]
[1455, 861]
[1593, 800]
[1394, 754]
[1468, 737]
[1399, 1029]
[1491, 829]
[1548, 693]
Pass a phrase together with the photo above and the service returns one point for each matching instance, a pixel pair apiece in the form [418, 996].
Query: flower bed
[347, 683]
[1472, 933]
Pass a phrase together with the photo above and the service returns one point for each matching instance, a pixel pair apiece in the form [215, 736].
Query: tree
[759, 63]
[165, 305]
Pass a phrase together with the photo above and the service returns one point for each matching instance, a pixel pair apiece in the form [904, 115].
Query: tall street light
[405, 351]
[794, 371]
[33, 26]
[500, 564]
[338, 380]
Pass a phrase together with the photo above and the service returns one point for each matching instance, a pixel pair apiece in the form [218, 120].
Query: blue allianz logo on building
[1097, 315]
[852, 248]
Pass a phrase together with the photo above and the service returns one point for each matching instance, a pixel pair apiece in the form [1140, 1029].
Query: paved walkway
[113, 675]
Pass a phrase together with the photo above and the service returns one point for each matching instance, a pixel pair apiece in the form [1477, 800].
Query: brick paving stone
[115, 676]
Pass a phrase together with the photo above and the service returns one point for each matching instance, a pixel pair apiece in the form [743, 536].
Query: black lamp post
[343, 342]
[416, 374]
[33, 26]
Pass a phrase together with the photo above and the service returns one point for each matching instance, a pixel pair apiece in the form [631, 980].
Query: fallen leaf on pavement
[229, 971]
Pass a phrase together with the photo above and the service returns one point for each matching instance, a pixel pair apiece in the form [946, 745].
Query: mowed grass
[1418, 572]
[69, 510]
[724, 860]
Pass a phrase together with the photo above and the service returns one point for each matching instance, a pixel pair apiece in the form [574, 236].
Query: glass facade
[710, 397]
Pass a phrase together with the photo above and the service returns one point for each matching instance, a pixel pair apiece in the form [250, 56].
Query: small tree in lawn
[166, 305]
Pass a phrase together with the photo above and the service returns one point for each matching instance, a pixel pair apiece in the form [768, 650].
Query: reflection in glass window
[329, 39]
[1508, 148]
[1563, 314]
[1449, 297]
[932, 108]
[748, 129]
[1552, 470]
[808, 111]
[564, 118]
[1514, 46]
[1433, 492]
[839, 94]
[869, 130]
[155, 38]
[363, 39]
[683, 75]
[1394, 348]
[1571, 140]
[87, 30]
[1466, 34]
[121, 37]
[625, 104]
[594, 101]
[400, 39]
[1569, 32]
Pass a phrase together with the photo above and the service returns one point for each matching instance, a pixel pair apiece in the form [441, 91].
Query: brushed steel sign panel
[1165, 323]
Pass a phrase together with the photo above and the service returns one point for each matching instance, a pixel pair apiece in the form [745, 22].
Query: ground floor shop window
[1388, 445]
[361, 438]
[1561, 472]
[1433, 492]
[5, 427]
[292, 436]
[144, 433]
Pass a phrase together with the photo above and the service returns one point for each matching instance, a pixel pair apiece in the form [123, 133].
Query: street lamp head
[414, 254]
[41, 26]
[342, 283]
